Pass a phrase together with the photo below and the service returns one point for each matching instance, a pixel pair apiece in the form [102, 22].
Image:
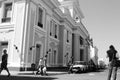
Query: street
[100, 75]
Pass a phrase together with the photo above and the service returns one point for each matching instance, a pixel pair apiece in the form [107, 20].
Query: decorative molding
[19, 0]
[56, 3]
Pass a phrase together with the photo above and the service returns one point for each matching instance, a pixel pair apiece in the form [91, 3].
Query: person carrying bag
[116, 62]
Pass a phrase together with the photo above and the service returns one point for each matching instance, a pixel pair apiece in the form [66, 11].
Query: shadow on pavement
[62, 73]
[25, 73]
[48, 74]
[4, 77]
[96, 71]
[101, 70]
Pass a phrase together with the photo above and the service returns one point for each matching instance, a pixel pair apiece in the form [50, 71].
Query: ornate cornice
[51, 3]
[56, 3]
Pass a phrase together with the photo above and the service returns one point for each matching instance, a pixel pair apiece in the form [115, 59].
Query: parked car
[79, 66]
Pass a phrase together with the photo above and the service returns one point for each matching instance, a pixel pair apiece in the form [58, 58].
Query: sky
[102, 20]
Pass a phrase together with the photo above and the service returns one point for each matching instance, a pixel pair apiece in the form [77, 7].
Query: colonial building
[80, 46]
[34, 29]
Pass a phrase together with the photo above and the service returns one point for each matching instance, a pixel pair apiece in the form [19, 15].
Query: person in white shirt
[40, 66]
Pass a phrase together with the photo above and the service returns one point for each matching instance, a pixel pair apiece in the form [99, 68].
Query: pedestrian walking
[44, 66]
[69, 65]
[4, 62]
[40, 66]
[111, 54]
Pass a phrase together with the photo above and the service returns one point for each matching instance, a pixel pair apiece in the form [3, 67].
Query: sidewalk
[30, 73]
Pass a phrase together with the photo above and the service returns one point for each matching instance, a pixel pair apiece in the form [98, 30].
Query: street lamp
[21, 57]
[31, 48]
[16, 47]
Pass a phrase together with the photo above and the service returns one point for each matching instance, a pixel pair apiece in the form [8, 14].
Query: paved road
[101, 75]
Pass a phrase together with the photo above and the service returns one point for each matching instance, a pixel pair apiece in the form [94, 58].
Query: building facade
[34, 29]
[80, 46]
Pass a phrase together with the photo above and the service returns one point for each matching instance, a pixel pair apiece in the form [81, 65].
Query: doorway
[38, 52]
[3, 45]
[81, 54]
[54, 57]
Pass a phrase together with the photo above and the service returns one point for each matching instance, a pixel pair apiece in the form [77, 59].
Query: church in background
[51, 29]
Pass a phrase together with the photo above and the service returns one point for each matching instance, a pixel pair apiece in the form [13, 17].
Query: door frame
[41, 51]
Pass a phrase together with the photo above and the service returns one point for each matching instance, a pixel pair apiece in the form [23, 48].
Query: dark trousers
[112, 71]
[4, 67]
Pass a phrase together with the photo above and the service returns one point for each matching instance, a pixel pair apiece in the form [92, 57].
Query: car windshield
[79, 63]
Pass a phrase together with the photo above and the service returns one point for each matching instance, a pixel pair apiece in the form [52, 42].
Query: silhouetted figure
[4, 62]
[111, 54]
